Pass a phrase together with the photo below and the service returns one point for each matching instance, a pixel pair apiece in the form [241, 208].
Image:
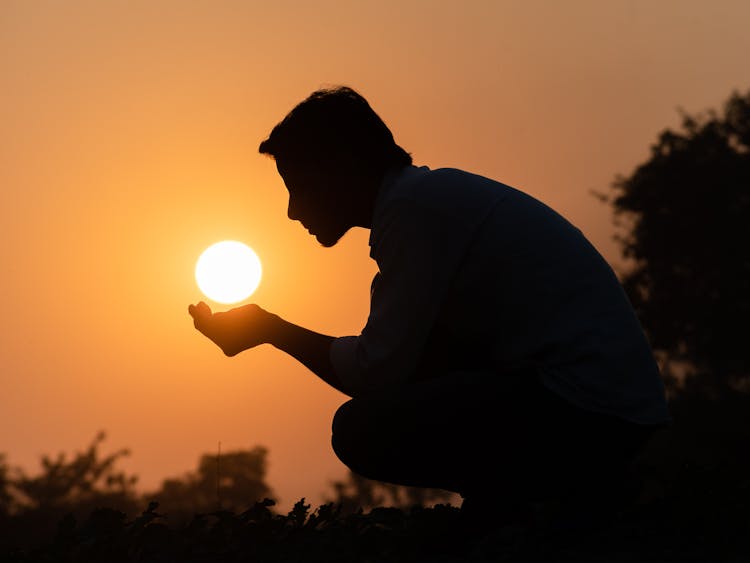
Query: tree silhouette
[87, 485]
[687, 211]
[231, 481]
[6, 495]
[32, 505]
[87, 480]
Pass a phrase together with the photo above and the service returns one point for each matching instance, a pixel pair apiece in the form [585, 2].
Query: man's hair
[333, 125]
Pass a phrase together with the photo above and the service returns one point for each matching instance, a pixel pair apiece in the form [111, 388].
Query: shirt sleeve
[419, 248]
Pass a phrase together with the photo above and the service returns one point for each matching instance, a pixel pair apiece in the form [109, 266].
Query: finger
[201, 317]
[199, 310]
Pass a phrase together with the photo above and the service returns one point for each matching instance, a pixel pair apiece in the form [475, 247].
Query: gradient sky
[130, 134]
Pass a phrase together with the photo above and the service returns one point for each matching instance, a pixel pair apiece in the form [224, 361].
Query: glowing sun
[228, 271]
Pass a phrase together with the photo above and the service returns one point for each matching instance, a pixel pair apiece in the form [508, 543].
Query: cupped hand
[233, 331]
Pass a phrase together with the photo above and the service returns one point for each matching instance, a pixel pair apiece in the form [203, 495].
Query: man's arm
[248, 326]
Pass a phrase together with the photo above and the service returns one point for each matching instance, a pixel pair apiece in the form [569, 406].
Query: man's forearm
[310, 348]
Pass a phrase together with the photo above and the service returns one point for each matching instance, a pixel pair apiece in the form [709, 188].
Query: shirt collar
[390, 179]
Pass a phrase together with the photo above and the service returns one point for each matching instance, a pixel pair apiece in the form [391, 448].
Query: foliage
[687, 223]
[6, 496]
[85, 479]
[356, 493]
[688, 208]
[690, 508]
[708, 436]
[32, 506]
[226, 481]
[669, 530]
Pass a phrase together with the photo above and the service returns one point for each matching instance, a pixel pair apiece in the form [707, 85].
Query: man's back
[506, 283]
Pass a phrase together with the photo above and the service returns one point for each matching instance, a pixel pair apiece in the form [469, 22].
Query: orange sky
[130, 134]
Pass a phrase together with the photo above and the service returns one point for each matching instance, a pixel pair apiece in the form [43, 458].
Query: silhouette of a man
[501, 358]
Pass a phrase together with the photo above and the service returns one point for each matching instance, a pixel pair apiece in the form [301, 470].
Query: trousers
[479, 433]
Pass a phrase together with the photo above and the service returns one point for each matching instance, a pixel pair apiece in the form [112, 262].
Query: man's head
[332, 150]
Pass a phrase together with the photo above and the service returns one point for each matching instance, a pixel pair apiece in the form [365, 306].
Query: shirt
[476, 275]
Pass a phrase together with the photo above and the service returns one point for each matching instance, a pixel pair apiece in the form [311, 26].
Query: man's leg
[500, 438]
[452, 432]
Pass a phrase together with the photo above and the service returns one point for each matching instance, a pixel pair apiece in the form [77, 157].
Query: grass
[708, 521]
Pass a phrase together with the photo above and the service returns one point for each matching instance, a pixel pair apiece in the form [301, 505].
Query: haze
[130, 134]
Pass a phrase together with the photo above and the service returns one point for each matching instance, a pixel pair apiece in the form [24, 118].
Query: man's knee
[357, 436]
[345, 432]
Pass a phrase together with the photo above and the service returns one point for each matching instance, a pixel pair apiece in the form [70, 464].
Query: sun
[228, 271]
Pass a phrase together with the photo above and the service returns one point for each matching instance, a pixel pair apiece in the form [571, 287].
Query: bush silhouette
[355, 493]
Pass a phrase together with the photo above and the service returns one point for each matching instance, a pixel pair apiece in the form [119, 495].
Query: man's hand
[235, 330]
[248, 326]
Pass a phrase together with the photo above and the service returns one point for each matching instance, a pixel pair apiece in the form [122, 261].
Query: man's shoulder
[434, 200]
[447, 175]
[446, 186]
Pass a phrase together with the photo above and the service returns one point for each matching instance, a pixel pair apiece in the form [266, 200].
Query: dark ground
[707, 524]
[690, 503]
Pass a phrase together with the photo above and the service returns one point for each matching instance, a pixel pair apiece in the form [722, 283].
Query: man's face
[318, 201]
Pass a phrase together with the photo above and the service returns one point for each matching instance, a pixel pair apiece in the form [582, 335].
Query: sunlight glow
[228, 271]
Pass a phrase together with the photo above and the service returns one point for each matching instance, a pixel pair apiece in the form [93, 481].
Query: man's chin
[328, 239]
